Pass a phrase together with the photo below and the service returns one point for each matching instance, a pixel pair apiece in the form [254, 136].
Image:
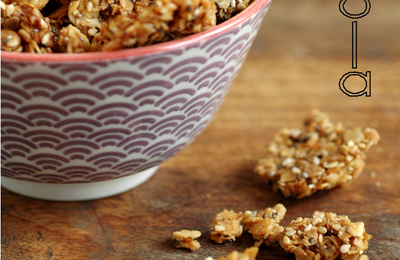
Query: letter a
[367, 88]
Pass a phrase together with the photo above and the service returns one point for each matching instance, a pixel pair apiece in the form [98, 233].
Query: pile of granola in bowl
[74, 26]
[79, 126]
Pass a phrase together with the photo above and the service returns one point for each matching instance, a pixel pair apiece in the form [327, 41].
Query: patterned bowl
[86, 126]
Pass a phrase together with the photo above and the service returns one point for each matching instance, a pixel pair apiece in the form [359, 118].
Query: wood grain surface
[302, 50]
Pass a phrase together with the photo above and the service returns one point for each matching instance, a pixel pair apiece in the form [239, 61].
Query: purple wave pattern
[77, 123]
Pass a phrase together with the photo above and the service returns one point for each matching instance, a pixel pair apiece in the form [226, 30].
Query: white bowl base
[76, 191]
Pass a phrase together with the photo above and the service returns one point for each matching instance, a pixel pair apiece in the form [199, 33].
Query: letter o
[354, 16]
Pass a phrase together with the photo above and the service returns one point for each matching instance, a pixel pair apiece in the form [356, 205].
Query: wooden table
[302, 50]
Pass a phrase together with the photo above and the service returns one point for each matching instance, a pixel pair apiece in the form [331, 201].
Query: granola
[228, 8]
[248, 254]
[36, 33]
[187, 239]
[73, 41]
[323, 156]
[107, 25]
[264, 224]
[226, 226]
[325, 236]
[160, 21]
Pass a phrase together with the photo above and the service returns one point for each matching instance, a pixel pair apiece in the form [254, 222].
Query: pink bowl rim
[254, 8]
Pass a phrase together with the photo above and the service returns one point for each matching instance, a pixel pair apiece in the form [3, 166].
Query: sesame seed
[43, 24]
[10, 10]
[219, 228]
[271, 174]
[265, 236]
[330, 165]
[299, 219]
[46, 39]
[316, 160]
[247, 214]
[89, 6]
[290, 232]
[345, 248]
[288, 161]
[311, 186]
[296, 170]
[286, 240]
[322, 230]
[308, 227]
[315, 221]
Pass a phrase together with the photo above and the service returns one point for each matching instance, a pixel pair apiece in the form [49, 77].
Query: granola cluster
[264, 224]
[228, 8]
[226, 226]
[186, 239]
[325, 236]
[50, 26]
[323, 156]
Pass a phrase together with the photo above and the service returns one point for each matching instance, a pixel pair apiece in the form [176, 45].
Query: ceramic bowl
[87, 126]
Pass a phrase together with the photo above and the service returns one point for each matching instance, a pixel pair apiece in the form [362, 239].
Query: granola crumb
[187, 239]
[326, 236]
[248, 254]
[226, 226]
[322, 156]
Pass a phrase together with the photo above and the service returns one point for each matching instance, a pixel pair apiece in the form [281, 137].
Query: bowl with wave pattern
[87, 126]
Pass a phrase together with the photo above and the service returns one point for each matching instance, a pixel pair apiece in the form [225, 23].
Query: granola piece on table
[325, 236]
[264, 224]
[187, 239]
[226, 226]
[323, 156]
